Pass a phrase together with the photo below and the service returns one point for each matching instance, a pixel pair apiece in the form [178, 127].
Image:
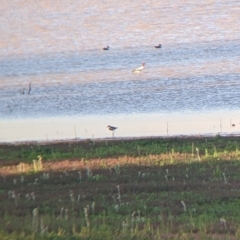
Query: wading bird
[158, 46]
[111, 128]
[138, 70]
[106, 48]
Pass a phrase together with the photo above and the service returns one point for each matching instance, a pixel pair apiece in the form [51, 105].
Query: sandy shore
[129, 126]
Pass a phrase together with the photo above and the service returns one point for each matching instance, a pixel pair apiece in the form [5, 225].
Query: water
[57, 47]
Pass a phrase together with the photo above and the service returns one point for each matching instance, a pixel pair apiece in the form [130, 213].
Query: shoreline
[116, 139]
[128, 126]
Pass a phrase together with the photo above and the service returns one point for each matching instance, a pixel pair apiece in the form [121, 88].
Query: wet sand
[129, 126]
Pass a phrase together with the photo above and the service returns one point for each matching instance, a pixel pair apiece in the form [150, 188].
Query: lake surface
[189, 86]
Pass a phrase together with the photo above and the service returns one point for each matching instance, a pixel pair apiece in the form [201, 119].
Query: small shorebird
[111, 128]
[106, 48]
[158, 46]
[138, 70]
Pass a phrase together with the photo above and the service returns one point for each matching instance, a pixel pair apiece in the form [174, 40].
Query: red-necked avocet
[137, 70]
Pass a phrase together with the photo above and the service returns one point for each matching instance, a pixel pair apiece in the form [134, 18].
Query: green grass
[117, 148]
[168, 190]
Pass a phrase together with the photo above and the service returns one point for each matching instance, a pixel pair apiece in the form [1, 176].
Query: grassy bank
[174, 188]
[90, 149]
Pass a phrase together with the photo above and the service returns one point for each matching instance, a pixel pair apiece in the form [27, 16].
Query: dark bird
[111, 128]
[138, 70]
[158, 46]
[106, 48]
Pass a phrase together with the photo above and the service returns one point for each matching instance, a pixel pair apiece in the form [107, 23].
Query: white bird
[138, 70]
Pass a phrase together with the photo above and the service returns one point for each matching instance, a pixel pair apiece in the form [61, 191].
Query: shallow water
[58, 48]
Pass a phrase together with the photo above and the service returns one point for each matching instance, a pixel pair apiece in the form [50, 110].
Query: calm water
[58, 48]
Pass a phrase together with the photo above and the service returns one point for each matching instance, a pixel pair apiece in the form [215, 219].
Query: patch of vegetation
[187, 190]
[91, 149]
